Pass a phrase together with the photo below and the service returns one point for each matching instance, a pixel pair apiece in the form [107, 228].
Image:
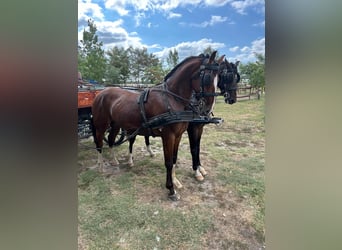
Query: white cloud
[234, 49]
[87, 9]
[241, 6]
[261, 24]
[113, 34]
[193, 48]
[216, 2]
[173, 15]
[214, 20]
[118, 6]
[248, 53]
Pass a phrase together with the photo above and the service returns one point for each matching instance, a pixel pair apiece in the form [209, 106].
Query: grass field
[129, 209]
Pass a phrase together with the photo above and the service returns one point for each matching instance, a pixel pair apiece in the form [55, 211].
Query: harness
[192, 111]
[190, 114]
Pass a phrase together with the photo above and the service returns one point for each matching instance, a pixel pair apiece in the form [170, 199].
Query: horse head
[205, 82]
[228, 80]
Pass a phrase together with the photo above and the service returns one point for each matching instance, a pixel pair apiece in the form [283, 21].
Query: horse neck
[181, 84]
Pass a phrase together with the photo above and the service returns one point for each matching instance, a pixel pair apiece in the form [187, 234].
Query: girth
[142, 100]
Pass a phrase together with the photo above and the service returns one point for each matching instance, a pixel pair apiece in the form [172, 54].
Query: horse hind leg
[111, 138]
[98, 139]
[175, 181]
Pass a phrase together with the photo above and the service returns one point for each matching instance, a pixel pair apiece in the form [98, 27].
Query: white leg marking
[148, 148]
[175, 181]
[202, 170]
[100, 161]
[114, 160]
[198, 175]
[130, 160]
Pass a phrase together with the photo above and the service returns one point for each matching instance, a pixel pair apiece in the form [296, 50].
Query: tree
[118, 65]
[91, 59]
[144, 67]
[209, 50]
[255, 72]
[172, 59]
[154, 73]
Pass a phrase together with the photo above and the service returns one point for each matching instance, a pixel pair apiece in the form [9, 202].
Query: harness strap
[142, 100]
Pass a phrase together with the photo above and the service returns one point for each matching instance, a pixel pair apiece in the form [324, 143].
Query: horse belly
[125, 114]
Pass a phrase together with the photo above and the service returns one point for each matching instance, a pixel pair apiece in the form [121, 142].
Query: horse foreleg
[168, 144]
[130, 157]
[148, 148]
[195, 133]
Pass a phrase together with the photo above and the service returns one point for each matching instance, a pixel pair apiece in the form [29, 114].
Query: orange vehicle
[86, 95]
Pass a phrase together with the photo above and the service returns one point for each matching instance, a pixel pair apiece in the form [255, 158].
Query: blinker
[207, 79]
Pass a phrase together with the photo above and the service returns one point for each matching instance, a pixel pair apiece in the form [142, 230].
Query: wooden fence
[245, 91]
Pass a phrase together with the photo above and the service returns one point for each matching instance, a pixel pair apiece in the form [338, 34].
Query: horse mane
[183, 62]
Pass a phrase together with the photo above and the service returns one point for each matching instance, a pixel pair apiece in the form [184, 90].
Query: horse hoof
[174, 197]
[114, 163]
[203, 172]
[199, 177]
[177, 184]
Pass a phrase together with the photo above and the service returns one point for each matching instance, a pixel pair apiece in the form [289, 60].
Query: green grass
[119, 221]
[130, 210]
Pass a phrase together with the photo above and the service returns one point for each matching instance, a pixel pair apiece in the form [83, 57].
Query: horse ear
[220, 59]
[237, 63]
[212, 57]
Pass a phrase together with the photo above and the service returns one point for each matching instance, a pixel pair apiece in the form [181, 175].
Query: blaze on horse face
[228, 80]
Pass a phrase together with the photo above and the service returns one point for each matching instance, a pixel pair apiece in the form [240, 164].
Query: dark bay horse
[228, 78]
[162, 110]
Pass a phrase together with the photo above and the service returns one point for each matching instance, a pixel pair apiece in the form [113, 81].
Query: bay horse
[228, 78]
[163, 110]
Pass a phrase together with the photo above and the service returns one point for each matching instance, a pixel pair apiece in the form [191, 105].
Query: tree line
[134, 65]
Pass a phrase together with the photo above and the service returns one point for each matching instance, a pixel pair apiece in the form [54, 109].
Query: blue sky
[234, 28]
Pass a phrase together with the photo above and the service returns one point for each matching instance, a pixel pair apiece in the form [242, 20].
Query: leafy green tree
[91, 59]
[143, 66]
[154, 73]
[255, 72]
[118, 65]
[137, 63]
[209, 50]
[172, 59]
